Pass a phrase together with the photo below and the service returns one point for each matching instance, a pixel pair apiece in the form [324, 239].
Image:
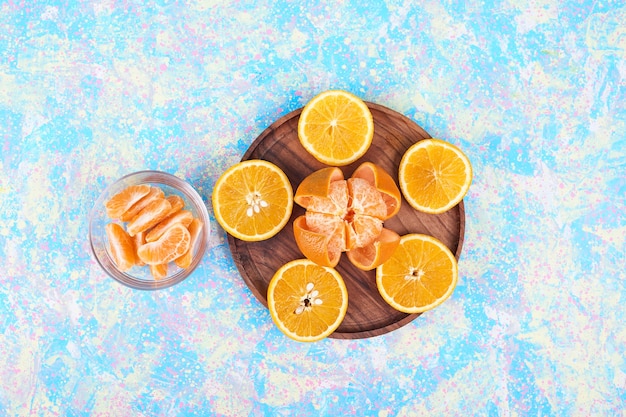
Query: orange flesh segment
[138, 240]
[171, 245]
[121, 246]
[158, 271]
[117, 205]
[195, 230]
[362, 231]
[182, 216]
[377, 252]
[384, 183]
[176, 202]
[154, 194]
[152, 214]
[322, 248]
[365, 199]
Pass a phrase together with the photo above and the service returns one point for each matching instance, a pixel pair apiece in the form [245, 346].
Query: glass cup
[139, 277]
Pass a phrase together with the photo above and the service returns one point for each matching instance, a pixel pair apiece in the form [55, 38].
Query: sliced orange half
[253, 200]
[420, 275]
[434, 175]
[307, 301]
[336, 127]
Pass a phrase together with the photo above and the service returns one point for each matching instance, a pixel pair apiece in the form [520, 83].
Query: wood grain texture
[368, 314]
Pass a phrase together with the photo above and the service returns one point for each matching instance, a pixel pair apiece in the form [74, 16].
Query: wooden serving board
[368, 314]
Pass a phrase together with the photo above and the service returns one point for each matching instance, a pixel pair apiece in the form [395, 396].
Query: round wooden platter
[368, 314]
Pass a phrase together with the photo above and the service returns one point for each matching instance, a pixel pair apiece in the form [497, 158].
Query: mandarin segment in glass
[121, 246]
[172, 244]
[117, 205]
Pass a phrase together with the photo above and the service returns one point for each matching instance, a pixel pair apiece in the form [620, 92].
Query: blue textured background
[533, 91]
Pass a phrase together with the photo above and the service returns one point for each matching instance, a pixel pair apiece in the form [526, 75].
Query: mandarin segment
[138, 240]
[154, 194]
[121, 247]
[325, 224]
[384, 183]
[182, 216]
[171, 245]
[117, 205]
[362, 231]
[335, 202]
[149, 216]
[195, 230]
[158, 271]
[366, 199]
[176, 202]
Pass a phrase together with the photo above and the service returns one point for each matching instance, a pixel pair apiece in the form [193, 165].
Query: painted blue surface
[533, 92]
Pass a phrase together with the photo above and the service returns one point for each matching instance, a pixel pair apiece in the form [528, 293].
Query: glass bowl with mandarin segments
[140, 277]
